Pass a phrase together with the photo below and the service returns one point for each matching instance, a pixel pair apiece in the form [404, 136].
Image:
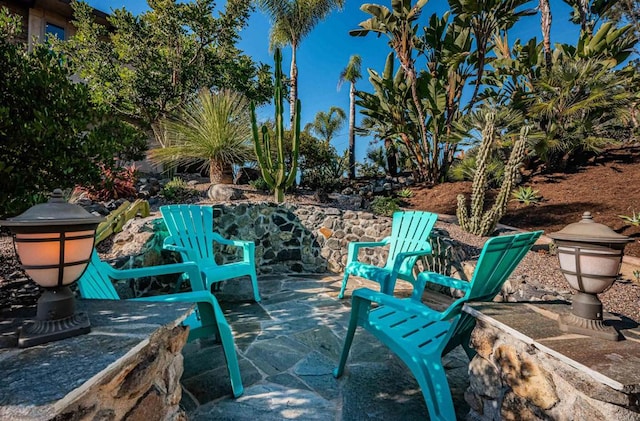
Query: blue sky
[326, 51]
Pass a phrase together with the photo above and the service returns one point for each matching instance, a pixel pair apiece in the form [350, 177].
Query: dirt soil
[607, 187]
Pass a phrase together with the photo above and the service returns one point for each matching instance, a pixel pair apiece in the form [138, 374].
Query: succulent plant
[273, 170]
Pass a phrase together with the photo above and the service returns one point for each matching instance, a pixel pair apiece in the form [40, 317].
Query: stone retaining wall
[288, 238]
[513, 380]
[146, 386]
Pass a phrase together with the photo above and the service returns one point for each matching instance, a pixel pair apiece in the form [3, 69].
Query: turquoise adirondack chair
[191, 233]
[206, 321]
[419, 335]
[409, 240]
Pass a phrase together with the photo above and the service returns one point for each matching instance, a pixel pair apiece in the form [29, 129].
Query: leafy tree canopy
[51, 135]
[146, 67]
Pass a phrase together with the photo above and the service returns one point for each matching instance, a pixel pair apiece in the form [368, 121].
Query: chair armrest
[170, 244]
[405, 305]
[401, 257]
[191, 269]
[248, 247]
[447, 281]
[196, 297]
[436, 278]
[355, 246]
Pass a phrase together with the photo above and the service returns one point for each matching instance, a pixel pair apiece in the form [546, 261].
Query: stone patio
[288, 346]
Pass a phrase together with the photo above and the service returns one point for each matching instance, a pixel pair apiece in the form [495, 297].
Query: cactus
[274, 171]
[480, 222]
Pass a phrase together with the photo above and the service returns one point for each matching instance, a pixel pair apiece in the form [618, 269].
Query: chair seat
[406, 333]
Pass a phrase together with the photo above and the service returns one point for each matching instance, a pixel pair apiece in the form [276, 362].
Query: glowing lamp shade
[54, 259]
[54, 242]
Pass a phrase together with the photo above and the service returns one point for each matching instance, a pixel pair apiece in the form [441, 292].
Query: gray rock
[223, 193]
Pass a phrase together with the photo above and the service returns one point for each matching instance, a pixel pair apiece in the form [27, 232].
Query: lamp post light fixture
[590, 256]
[54, 242]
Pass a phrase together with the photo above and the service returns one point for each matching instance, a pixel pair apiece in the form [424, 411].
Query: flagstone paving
[288, 346]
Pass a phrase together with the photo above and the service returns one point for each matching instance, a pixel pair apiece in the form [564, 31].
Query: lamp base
[589, 327]
[36, 332]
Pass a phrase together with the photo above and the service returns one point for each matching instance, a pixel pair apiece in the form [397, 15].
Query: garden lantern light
[590, 256]
[54, 242]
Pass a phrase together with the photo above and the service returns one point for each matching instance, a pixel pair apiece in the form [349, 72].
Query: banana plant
[273, 170]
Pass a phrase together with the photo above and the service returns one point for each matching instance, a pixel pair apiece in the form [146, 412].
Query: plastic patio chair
[191, 233]
[419, 335]
[409, 240]
[205, 321]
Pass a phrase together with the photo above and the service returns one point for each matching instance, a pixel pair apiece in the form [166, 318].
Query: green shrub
[51, 135]
[369, 170]
[384, 206]
[526, 195]
[260, 184]
[465, 169]
[177, 190]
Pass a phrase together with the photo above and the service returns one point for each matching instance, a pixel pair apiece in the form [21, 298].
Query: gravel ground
[538, 268]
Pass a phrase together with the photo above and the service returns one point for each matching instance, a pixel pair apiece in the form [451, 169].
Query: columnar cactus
[480, 222]
[274, 171]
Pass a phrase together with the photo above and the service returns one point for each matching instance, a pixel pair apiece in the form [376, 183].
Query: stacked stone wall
[512, 380]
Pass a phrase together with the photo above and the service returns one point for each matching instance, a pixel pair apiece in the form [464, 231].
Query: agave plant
[633, 219]
[527, 196]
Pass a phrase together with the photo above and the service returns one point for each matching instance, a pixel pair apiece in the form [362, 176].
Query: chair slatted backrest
[191, 227]
[95, 282]
[498, 259]
[410, 232]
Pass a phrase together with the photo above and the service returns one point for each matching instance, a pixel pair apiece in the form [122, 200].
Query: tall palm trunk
[352, 132]
[293, 94]
[545, 25]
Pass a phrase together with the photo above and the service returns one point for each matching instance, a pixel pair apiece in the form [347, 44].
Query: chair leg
[435, 388]
[344, 285]
[228, 346]
[387, 285]
[254, 282]
[348, 340]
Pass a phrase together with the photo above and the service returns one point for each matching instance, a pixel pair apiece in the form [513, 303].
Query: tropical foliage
[575, 98]
[51, 134]
[214, 131]
[320, 165]
[327, 124]
[146, 67]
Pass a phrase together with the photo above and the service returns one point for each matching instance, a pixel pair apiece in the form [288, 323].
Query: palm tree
[292, 20]
[326, 125]
[214, 129]
[352, 74]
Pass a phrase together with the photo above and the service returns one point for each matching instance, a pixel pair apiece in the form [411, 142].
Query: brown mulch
[607, 187]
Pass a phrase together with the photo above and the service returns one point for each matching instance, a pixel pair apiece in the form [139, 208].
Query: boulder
[223, 193]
